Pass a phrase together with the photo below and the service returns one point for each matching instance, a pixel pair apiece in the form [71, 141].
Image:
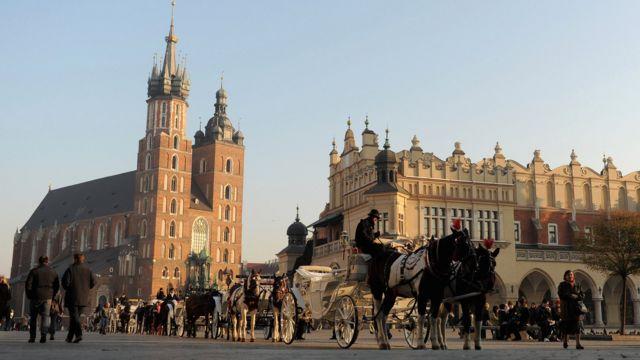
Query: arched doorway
[588, 287]
[612, 300]
[537, 287]
[499, 296]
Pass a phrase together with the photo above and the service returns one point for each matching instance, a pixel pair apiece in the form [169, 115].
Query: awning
[329, 219]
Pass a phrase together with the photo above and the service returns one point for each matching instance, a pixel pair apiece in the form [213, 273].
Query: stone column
[636, 312]
[597, 311]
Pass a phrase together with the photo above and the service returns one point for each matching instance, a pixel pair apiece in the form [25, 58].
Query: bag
[582, 308]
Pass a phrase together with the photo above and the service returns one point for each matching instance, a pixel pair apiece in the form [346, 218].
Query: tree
[614, 248]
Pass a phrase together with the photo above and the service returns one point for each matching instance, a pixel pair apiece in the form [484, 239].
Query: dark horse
[280, 289]
[201, 305]
[475, 279]
[392, 274]
[422, 275]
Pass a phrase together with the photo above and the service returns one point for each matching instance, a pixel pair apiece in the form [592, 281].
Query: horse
[392, 274]
[112, 320]
[280, 289]
[243, 301]
[207, 305]
[475, 279]
[124, 315]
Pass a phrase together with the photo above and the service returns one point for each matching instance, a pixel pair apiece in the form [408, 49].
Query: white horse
[243, 301]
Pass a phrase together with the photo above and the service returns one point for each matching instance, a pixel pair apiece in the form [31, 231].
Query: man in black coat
[5, 297]
[77, 281]
[41, 286]
[366, 235]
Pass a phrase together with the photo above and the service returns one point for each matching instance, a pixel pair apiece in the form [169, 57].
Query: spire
[386, 139]
[334, 150]
[297, 213]
[169, 64]
[349, 122]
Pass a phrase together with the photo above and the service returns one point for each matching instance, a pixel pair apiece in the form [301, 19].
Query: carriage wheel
[410, 330]
[180, 321]
[346, 321]
[214, 326]
[288, 318]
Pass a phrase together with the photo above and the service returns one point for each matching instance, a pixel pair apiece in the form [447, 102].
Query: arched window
[49, 243]
[176, 142]
[174, 206]
[145, 205]
[220, 279]
[176, 273]
[217, 255]
[568, 193]
[149, 142]
[147, 162]
[172, 229]
[227, 192]
[551, 194]
[229, 166]
[227, 213]
[143, 229]
[83, 240]
[65, 239]
[226, 235]
[101, 233]
[225, 256]
[174, 184]
[174, 162]
[622, 198]
[587, 196]
[165, 272]
[605, 197]
[200, 236]
[163, 115]
[233, 257]
[172, 252]
[203, 165]
[145, 184]
[117, 235]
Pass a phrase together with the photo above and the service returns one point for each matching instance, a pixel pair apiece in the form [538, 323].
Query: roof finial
[386, 139]
[333, 143]
[366, 122]
[297, 213]
[173, 7]
[200, 119]
[349, 121]
[49, 186]
[221, 78]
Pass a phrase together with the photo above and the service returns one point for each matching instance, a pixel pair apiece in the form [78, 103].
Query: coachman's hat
[374, 213]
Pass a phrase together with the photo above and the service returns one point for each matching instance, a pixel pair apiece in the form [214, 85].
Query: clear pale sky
[549, 75]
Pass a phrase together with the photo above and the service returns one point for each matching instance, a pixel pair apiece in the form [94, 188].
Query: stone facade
[533, 212]
[184, 197]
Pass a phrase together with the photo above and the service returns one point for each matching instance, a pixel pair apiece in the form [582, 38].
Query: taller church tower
[163, 176]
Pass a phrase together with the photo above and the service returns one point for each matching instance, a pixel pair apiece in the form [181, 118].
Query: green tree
[614, 248]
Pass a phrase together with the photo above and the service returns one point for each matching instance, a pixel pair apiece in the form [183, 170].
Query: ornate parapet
[327, 249]
[548, 255]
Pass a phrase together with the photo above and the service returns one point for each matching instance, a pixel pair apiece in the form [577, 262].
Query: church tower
[163, 176]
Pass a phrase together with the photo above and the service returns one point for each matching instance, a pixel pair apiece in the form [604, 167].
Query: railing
[327, 249]
[548, 255]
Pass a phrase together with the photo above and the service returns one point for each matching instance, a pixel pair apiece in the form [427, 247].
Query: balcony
[327, 249]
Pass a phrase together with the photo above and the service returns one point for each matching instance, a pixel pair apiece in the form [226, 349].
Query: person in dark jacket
[160, 294]
[77, 281]
[41, 286]
[5, 297]
[570, 294]
[366, 235]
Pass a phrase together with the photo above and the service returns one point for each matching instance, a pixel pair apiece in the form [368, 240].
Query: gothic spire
[169, 64]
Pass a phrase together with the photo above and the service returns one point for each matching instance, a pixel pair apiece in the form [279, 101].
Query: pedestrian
[570, 312]
[56, 315]
[160, 294]
[5, 308]
[77, 281]
[41, 287]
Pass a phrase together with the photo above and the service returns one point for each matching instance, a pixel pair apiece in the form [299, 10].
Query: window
[117, 235]
[165, 272]
[401, 223]
[200, 236]
[465, 216]
[552, 230]
[147, 162]
[227, 213]
[163, 115]
[516, 232]
[226, 234]
[176, 273]
[176, 142]
[172, 229]
[49, 243]
[149, 142]
[83, 240]
[174, 162]
[143, 229]
[227, 192]
[225, 256]
[383, 223]
[145, 205]
[488, 222]
[146, 184]
[65, 239]
[229, 166]
[434, 221]
[203, 166]
[174, 206]
[174, 184]
[100, 240]
[172, 252]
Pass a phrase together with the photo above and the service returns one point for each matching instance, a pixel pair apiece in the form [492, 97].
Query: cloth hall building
[175, 220]
[534, 212]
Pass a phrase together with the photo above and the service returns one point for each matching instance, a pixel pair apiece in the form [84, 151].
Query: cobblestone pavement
[13, 345]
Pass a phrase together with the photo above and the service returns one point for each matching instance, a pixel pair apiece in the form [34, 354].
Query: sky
[548, 75]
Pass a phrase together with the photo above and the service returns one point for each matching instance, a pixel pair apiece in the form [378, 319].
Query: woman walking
[570, 312]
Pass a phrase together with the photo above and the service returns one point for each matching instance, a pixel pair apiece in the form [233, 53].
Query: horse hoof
[420, 347]
[434, 347]
[478, 347]
[383, 347]
[252, 340]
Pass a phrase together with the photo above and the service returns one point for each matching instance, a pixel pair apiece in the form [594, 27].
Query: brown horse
[201, 305]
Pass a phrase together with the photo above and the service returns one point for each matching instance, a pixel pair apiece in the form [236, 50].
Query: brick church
[174, 221]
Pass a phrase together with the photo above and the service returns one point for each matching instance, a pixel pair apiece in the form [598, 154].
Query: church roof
[91, 199]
